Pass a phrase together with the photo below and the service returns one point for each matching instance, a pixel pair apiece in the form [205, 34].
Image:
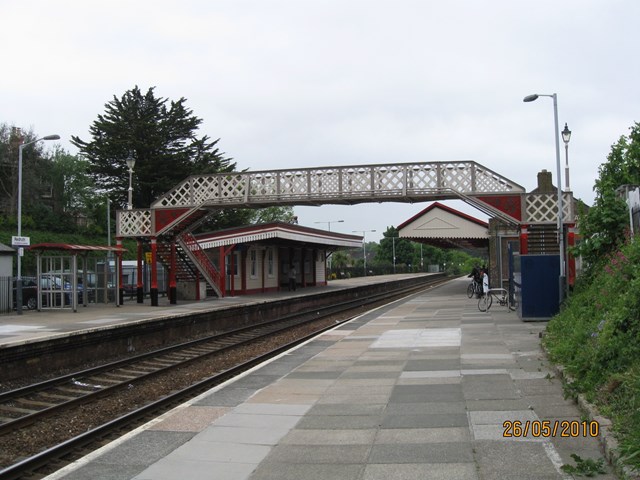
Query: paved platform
[33, 325]
[419, 389]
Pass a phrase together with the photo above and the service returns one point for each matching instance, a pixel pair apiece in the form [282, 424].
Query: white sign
[20, 241]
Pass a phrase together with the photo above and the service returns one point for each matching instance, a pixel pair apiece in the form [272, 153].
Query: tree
[429, 255]
[274, 214]
[403, 248]
[604, 226]
[162, 138]
[37, 185]
[74, 191]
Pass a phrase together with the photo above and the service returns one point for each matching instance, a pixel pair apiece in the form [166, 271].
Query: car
[29, 293]
[53, 291]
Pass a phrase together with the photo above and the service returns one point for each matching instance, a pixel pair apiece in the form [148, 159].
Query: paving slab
[427, 388]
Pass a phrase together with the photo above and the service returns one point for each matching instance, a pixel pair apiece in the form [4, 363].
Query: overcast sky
[309, 83]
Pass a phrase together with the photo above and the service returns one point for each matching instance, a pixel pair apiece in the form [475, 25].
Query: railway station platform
[35, 325]
[427, 387]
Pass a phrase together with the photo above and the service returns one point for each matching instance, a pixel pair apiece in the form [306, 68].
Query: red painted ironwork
[524, 240]
[166, 217]
[509, 204]
[201, 259]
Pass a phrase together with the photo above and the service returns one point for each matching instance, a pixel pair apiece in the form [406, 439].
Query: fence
[6, 295]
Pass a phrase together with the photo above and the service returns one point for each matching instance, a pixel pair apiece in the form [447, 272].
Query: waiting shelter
[258, 258]
[69, 275]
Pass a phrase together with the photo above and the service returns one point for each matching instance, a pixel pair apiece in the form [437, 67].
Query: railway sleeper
[76, 392]
[9, 408]
[56, 396]
[134, 373]
[35, 403]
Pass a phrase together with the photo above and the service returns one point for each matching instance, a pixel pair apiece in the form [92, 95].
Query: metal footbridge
[176, 213]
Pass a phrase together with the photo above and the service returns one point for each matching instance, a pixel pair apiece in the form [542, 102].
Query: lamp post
[330, 222]
[566, 136]
[393, 243]
[131, 162]
[561, 279]
[19, 276]
[364, 246]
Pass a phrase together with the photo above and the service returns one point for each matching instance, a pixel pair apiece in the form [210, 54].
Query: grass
[596, 337]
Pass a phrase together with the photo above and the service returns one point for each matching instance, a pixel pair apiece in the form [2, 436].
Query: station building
[258, 258]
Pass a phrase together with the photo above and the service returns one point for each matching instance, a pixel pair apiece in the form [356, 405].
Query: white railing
[543, 208]
[349, 184]
[134, 223]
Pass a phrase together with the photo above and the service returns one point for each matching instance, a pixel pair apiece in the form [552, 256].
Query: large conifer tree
[161, 135]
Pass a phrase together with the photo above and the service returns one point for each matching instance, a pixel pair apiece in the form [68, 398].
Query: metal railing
[6, 294]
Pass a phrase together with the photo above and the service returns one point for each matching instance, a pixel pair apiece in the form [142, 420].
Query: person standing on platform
[292, 278]
[485, 281]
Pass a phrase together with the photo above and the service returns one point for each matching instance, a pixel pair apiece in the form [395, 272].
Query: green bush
[596, 337]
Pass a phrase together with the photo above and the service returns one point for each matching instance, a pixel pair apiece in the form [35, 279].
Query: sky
[319, 83]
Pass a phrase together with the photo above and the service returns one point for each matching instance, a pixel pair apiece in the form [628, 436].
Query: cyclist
[476, 274]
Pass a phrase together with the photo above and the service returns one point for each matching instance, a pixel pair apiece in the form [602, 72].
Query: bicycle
[474, 288]
[501, 295]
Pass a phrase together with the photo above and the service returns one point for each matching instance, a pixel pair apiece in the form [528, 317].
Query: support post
[154, 272]
[120, 285]
[173, 298]
[524, 240]
[223, 271]
[139, 276]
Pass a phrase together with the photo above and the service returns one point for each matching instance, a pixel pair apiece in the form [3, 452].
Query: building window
[253, 263]
[270, 262]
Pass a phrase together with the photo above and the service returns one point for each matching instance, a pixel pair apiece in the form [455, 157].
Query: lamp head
[566, 134]
[51, 137]
[530, 98]
[131, 162]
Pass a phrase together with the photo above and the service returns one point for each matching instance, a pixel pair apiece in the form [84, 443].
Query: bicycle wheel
[484, 303]
[470, 290]
[513, 305]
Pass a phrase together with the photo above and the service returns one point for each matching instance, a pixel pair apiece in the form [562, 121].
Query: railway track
[35, 404]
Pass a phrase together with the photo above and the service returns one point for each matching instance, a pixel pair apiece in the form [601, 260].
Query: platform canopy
[446, 227]
[69, 247]
[281, 231]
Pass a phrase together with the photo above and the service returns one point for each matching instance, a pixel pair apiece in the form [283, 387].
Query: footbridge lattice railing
[409, 182]
[338, 185]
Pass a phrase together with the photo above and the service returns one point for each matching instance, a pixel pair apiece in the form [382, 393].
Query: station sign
[20, 241]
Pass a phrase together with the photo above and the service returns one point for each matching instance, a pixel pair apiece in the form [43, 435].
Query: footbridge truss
[178, 211]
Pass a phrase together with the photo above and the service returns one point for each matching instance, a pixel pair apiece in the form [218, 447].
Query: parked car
[52, 288]
[29, 293]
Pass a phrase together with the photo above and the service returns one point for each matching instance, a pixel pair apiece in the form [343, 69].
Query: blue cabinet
[537, 285]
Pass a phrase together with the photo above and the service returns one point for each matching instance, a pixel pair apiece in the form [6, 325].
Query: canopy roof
[68, 247]
[446, 227]
[278, 230]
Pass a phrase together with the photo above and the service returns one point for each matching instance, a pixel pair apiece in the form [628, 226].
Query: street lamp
[330, 222]
[131, 162]
[19, 276]
[566, 136]
[531, 98]
[364, 246]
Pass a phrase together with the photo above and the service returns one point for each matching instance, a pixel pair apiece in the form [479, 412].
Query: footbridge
[178, 212]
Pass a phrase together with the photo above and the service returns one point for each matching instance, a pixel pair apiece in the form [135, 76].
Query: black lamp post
[566, 136]
[131, 162]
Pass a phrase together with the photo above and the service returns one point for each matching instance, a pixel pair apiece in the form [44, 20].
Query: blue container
[537, 285]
